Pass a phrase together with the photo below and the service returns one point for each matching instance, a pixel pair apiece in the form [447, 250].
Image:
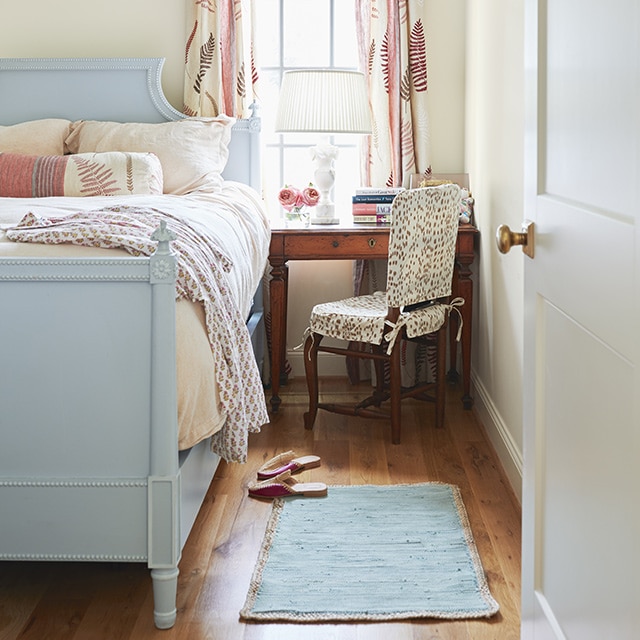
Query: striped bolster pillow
[113, 173]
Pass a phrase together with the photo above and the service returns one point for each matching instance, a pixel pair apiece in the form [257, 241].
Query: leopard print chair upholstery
[422, 242]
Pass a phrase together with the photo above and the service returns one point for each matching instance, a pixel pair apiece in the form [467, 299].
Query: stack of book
[372, 205]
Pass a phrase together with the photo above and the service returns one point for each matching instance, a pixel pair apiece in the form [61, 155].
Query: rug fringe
[263, 556]
[492, 604]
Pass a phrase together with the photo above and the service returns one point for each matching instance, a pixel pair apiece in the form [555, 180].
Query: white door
[581, 539]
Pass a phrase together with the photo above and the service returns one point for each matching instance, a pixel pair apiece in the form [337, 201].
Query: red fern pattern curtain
[393, 56]
[220, 71]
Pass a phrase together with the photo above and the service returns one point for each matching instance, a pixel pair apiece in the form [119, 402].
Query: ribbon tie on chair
[396, 327]
[307, 332]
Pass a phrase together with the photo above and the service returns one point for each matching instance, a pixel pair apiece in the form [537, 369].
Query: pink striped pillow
[84, 174]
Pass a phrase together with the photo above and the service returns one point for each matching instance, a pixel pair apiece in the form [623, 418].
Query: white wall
[494, 144]
[112, 28]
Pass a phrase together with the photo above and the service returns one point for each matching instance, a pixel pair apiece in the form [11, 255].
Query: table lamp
[324, 101]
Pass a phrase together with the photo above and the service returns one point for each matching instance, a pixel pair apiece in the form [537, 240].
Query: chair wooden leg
[441, 345]
[378, 365]
[311, 372]
[396, 391]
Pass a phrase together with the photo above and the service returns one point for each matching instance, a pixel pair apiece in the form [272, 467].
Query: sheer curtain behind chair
[393, 55]
[220, 70]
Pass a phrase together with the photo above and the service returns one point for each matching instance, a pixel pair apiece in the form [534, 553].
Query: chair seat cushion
[362, 319]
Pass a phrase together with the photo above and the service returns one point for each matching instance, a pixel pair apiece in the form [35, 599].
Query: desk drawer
[336, 246]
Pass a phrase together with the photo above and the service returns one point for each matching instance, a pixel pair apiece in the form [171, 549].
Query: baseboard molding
[506, 449]
[329, 364]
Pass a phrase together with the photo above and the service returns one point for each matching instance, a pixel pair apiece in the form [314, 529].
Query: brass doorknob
[505, 238]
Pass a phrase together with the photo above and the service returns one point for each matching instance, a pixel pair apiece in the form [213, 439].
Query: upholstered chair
[415, 306]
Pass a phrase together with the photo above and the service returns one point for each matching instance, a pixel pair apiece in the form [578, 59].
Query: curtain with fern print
[220, 71]
[393, 56]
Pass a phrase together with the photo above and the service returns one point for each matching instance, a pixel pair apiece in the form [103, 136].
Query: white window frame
[281, 143]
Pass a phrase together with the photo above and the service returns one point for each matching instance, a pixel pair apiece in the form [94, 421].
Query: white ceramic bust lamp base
[324, 176]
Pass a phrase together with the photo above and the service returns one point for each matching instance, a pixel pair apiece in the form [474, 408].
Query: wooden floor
[50, 601]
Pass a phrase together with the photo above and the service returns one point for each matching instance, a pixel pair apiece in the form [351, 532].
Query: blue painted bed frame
[83, 478]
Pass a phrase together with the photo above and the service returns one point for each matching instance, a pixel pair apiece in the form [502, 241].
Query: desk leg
[452, 375]
[278, 294]
[463, 286]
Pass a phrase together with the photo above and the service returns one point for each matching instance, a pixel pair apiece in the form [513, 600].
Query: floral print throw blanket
[202, 265]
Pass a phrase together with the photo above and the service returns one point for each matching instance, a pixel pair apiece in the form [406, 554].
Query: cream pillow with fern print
[113, 173]
[193, 151]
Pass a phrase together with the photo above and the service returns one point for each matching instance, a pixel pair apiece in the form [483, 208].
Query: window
[293, 34]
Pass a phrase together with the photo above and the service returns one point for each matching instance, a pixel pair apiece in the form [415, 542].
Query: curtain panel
[220, 69]
[393, 55]
[392, 51]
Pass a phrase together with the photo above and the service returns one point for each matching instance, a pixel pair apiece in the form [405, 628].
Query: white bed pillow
[193, 152]
[78, 175]
[35, 137]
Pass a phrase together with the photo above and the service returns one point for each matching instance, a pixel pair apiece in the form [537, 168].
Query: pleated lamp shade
[323, 101]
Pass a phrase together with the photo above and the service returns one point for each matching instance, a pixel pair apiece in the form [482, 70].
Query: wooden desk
[352, 242]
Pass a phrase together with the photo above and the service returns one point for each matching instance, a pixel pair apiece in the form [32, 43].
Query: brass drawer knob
[336, 244]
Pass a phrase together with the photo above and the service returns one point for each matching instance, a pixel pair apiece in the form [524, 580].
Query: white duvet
[236, 217]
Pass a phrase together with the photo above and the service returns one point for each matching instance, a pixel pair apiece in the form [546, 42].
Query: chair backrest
[461, 179]
[422, 244]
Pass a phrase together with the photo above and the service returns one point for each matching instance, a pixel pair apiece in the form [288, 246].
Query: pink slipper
[284, 486]
[287, 462]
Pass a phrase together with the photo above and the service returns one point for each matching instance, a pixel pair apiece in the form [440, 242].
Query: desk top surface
[345, 226]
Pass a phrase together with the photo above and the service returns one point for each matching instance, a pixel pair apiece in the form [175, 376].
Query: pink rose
[288, 197]
[310, 196]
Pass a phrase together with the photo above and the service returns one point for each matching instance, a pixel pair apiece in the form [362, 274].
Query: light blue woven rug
[369, 553]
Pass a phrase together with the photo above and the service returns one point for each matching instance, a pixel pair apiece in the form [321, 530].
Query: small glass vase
[297, 217]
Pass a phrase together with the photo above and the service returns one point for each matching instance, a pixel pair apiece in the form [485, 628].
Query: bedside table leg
[278, 306]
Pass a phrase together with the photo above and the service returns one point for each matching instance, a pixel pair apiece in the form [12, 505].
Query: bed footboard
[89, 461]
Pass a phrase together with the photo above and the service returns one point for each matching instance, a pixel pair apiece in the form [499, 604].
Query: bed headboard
[116, 89]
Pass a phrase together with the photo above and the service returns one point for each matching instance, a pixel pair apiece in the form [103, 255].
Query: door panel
[588, 92]
[581, 566]
[587, 257]
[586, 476]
